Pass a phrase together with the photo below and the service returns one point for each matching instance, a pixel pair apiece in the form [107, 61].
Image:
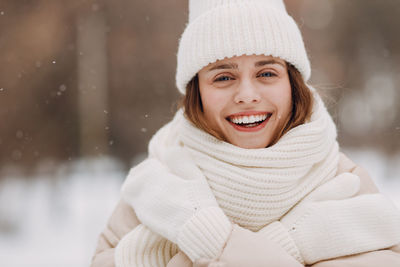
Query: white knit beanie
[219, 29]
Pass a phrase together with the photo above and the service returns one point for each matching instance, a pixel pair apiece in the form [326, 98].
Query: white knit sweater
[252, 187]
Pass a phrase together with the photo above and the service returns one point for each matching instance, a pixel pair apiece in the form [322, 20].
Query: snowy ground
[54, 220]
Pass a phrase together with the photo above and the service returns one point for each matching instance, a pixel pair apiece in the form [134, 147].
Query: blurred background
[84, 84]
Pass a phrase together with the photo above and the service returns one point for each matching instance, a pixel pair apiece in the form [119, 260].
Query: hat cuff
[248, 28]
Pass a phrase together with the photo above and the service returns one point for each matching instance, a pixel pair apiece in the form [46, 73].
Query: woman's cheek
[213, 98]
[213, 104]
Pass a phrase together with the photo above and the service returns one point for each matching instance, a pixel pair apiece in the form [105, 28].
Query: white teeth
[248, 119]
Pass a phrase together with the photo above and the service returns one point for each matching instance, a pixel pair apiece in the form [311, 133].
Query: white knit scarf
[255, 187]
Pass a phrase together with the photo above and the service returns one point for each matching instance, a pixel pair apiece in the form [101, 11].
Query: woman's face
[246, 99]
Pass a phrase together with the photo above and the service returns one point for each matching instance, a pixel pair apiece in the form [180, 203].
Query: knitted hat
[219, 29]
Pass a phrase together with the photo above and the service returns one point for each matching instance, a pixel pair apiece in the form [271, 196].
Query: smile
[249, 121]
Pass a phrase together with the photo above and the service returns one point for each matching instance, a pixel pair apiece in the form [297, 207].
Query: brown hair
[302, 102]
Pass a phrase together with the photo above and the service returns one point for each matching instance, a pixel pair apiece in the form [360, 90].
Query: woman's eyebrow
[268, 62]
[261, 63]
[224, 66]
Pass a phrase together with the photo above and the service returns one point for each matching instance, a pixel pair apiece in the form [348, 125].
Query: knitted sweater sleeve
[126, 242]
[180, 209]
[142, 247]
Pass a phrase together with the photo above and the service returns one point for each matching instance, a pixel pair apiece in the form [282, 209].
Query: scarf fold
[255, 187]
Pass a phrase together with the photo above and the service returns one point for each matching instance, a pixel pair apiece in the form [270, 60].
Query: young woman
[248, 173]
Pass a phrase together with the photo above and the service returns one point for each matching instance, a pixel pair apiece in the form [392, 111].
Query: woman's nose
[247, 92]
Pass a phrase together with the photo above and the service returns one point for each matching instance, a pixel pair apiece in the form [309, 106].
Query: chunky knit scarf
[255, 187]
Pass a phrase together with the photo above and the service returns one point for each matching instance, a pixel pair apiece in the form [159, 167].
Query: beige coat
[123, 220]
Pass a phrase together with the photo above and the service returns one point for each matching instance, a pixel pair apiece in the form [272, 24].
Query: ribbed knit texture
[220, 29]
[197, 8]
[255, 187]
[142, 247]
[205, 234]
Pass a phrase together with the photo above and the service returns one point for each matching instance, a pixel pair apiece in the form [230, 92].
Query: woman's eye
[222, 79]
[267, 74]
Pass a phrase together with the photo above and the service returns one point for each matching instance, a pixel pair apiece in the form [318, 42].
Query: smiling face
[246, 99]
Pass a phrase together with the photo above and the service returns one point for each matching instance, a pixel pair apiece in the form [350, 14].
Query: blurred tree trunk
[92, 82]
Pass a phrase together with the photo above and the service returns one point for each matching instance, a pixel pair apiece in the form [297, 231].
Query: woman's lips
[249, 121]
[250, 129]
